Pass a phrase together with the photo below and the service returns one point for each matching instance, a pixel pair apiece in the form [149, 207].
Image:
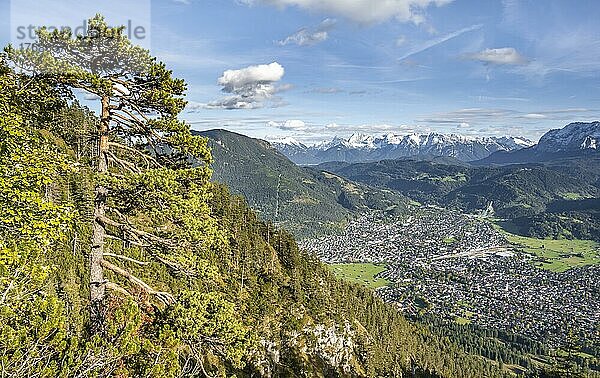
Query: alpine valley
[443, 239]
[148, 229]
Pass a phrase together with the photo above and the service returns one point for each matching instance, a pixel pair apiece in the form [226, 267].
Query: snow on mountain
[362, 147]
[288, 141]
[574, 136]
[360, 141]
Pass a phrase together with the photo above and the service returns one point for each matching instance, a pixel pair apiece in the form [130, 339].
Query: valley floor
[465, 269]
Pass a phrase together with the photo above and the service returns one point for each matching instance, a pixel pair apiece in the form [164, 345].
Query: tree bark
[97, 282]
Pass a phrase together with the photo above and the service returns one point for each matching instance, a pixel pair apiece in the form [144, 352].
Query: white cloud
[292, 124]
[327, 90]
[535, 116]
[233, 80]
[310, 37]
[250, 88]
[363, 11]
[505, 55]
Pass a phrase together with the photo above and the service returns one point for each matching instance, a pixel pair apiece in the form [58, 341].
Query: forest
[119, 257]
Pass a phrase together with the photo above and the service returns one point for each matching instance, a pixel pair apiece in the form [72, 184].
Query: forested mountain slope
[193, 283]
[305, 201]
[516, 190]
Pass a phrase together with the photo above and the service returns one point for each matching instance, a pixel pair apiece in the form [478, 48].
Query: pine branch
[146, 157]
[126, 258]
[141, 234]
[165, 298]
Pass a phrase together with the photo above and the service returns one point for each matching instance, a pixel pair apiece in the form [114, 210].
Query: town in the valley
[462, 268]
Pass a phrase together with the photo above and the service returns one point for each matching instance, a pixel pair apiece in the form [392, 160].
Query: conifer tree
[139, 142]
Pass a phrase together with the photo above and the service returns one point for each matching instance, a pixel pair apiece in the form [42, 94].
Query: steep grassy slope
[303, 200]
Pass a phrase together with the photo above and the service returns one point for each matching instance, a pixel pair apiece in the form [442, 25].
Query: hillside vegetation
[556, 200]
[118, 258]
[303, 200]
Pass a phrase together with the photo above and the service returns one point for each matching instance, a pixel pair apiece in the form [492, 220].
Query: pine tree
[139, 140]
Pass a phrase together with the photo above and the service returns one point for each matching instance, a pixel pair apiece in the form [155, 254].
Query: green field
[573, 196]
[362, 273]
[559, 255]
[450, 240]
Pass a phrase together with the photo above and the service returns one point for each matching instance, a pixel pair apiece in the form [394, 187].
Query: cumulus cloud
[293, 124]
[251, 87]
[363, 11]
[505, 55]
[310, 37]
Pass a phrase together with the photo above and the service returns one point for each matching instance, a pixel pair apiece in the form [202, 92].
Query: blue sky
[320, 68]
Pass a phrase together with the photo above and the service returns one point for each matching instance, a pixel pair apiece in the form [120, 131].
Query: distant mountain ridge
[577, 139]
[364, 148]
[303, 200]
[574, 136]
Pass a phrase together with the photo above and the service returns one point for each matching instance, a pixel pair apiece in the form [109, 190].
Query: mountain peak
[574, 136]
[361, 147]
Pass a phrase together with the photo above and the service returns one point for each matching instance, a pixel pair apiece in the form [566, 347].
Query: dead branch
[141, 234]
[132, 242]
[165, 298]
[144, 156]
[174, 266]
[131, 167]
[114, 287]
[144, 263]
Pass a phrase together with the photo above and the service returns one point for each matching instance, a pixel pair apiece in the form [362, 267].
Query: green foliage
[33, 326]
[248, 302]
[28, 167]
[304, 201]
[207, 322]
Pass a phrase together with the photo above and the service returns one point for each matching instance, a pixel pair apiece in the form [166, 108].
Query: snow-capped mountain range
[362, 147]
[574, 136]
[577, 139]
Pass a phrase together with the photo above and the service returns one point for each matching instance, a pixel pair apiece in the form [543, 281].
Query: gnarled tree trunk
[97, 282]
